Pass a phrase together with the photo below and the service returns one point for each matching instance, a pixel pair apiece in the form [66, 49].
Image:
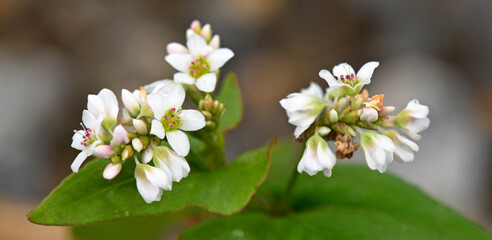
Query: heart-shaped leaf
[85, 197]
[355, 203]
[230, 95]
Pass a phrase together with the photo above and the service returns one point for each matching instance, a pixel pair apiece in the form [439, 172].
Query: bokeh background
[55, 52]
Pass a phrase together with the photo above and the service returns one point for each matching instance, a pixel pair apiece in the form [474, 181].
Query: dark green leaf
[164, 226]
[355, 203]
[86, 197]
[230, 95]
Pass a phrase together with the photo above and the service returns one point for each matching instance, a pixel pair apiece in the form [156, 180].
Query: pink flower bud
[386, 110]
[104, 151]
[369, 114]
[195, 25]
[111, 171]
[120, 135]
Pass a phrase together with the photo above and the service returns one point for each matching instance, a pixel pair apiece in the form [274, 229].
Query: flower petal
[158, 104]
[207, 82]
[183, 78]
[175, 98]
[366, 71]
[197, 45]
[192, 120]
[77, 139]
[157, 129]
[111, 171]
[110, 102]
[179, 142]
[78, 161]
[328, 77]
[176, 48]
[219, 57]
[343, 69]
[178, 61]
[314, 90]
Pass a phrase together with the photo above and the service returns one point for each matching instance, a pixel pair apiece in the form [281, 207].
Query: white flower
[167, 160]
[413, 119]
[104, 104]
[303, 108]
[151, 181]
[198, 63]
[317, 157]
[378, 150]
[345, 78]
[170, 119]
[405, 148]
[98, 120]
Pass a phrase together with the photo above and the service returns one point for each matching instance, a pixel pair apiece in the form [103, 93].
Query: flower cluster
[343, 112]
[152, 125]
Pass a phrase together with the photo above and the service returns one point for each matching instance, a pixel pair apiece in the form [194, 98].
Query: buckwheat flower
[316, 157]
[97, 123]
[405, 148]
[413, 119]
[165, 158]
[105, 104]
[303, 108]
[170, 119]
[378, 150]
[151, 181]
[198, 63]
[345, 79]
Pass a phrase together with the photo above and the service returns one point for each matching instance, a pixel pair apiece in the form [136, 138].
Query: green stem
[213, 151]
[284, 199]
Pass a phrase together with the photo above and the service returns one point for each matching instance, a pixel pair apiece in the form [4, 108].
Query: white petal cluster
[345, 79]
[198, 62]
[303, 108]
[378, 150]
[404, 147]
[413, 119]
[151, 181]
[316, 157]
[98, 121]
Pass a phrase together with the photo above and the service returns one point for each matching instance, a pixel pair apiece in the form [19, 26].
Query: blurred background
[55, 52]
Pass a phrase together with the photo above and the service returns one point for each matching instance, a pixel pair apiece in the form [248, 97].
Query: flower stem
[283, 205]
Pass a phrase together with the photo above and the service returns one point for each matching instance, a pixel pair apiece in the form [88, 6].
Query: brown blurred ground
[53, 53]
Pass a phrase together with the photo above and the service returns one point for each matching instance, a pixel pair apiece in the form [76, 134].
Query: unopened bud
[195, 25]
[127, 152]
[210, 124]
[323, 131]
[115, 159]
[137, 144]
[120, 135]
[386, 110]
[140, 126]
[341, 104]
[130, 102]
[215, 42]
[351, 131]
[333, 115]
[104, 151]
[357, 103]
[351, 117]
[207, 115]
[369, 115]
[206, 32]
[111, 171]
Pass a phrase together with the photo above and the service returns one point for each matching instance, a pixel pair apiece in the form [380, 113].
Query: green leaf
[230, 95]
[355, 203]
[86, 197]
[154, 227]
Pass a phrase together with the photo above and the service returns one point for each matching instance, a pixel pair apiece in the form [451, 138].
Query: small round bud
[333, 115]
